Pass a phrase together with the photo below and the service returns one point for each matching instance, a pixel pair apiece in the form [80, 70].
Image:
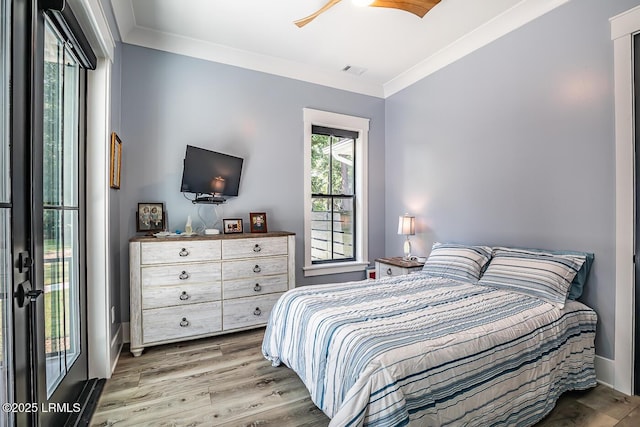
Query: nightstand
[396, 266]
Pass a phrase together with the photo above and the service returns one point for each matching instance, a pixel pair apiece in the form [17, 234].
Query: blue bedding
[431, 351]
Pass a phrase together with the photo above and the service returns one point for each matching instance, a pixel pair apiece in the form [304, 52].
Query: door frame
[623, 27]
[21, 135]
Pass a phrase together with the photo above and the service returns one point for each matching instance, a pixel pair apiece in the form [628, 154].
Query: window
[61, 210]
[335, 192]
[333, 196]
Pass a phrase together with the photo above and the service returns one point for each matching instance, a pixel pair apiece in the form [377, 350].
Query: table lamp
[407, 227]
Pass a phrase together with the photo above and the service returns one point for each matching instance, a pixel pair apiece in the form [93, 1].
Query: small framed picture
[258, 222]
[116, 161]
[150, 217]
[232, 225]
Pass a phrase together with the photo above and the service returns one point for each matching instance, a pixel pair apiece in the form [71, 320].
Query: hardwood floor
[225, 381]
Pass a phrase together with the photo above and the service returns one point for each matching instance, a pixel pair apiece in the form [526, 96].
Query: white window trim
[103, 349]
[360, 125]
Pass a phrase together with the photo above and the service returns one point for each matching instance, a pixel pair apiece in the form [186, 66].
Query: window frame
[329, 194]
[327, 119]
[70, 118]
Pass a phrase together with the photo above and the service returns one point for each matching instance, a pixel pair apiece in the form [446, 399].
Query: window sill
[342, 267]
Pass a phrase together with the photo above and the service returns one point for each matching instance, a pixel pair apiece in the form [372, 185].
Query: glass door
[61, 222]
[43, 359]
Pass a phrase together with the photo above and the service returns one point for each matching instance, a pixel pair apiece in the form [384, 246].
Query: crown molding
[511, 19]
[249, 60]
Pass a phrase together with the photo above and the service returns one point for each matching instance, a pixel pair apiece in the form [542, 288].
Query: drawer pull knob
[257, 269]
[184, 252]
[257, 287]
[257, 248]
[184, 323]
[257, 311]
[389, 271]
[184, 296]
[184, 275]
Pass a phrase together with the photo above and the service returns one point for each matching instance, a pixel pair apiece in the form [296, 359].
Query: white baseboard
[605, 371]
[116, 347]
[126, 334]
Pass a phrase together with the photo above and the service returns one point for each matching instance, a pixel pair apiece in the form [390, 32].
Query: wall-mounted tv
[210, 175]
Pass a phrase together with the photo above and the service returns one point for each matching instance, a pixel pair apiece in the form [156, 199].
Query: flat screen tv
[210, 175]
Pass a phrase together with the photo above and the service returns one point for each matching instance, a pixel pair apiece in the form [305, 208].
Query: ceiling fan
[417, 7]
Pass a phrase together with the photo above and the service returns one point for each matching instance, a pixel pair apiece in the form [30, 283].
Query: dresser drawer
[255, 286]
[251, 311]
[252, 268]
[386, 270]
[166, 296]
[163, 324]
[179, 274]
[256, 247]
[182, 251]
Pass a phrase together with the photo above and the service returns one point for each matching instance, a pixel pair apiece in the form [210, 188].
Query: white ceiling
[395, 48]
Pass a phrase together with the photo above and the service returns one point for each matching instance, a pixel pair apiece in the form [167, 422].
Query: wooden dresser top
[211, 237]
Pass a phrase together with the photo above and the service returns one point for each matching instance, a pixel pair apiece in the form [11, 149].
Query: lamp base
[407, 250]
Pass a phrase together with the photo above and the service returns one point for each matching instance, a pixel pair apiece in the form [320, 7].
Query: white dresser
[192, 287]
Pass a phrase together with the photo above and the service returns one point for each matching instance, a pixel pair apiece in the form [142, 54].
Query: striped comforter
[431, 351]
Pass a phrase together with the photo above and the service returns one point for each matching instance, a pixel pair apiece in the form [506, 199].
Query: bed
[435, 349]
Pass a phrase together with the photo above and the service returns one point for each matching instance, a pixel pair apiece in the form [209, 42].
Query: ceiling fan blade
[417, 7]
[304, 21]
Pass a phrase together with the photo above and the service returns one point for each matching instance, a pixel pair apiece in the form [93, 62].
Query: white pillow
[540, 274]
[456, 261]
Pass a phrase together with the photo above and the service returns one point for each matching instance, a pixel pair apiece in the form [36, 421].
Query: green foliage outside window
[52, 150]
[330, 176]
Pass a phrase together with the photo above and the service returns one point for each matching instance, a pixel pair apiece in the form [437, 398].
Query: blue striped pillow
[455, 261]
[540, 274]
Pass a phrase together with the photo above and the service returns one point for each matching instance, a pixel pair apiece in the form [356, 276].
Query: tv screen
[210, 172]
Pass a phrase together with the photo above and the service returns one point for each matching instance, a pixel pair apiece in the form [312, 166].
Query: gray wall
[514, 145]
[511, 145]
[169, 101]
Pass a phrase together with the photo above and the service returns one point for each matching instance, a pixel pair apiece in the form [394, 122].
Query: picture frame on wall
[150, 217]
[258, 222]
[232, 225]
[116, 161]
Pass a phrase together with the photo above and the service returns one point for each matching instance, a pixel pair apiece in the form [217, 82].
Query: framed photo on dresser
[150, 217]
[258, 222]
[232, 225]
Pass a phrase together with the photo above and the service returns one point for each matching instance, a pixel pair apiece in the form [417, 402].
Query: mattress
[420, 350]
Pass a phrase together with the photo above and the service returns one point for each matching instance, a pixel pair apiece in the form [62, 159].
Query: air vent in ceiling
[351, 69]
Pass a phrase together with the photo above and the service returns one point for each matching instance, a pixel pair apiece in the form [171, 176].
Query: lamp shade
[407, 225]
